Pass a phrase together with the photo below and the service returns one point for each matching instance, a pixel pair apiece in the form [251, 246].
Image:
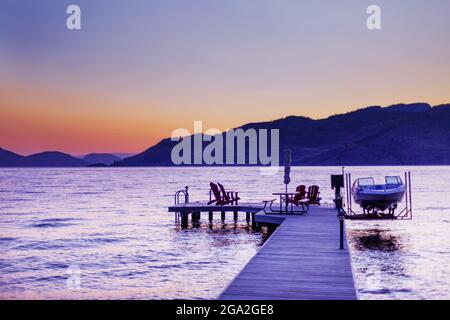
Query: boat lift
[395, 213]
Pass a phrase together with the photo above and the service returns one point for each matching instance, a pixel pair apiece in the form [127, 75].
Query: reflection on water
[113, 225]
[374, 239]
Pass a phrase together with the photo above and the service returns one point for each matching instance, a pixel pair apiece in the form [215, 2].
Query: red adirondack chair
[218, 200]
[232, 196]
[313, 195]
[301, 193]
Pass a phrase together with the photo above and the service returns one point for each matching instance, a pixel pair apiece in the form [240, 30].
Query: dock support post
[195, 217]
[210, 216]
[184, 220]
[271, 228]
[253, 220]
[235, 216]
[223, 216]
[247, 216]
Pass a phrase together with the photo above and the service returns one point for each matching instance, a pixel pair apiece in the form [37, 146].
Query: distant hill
[9, 159]
[100, 158]
[52, 159]
[44, 159]
[55, 159]
[403, 134]
[123, 155]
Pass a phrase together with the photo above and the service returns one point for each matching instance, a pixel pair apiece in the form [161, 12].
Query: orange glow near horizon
[45, 121]
[56, 123]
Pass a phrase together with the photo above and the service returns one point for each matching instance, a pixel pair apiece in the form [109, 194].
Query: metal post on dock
[210, 216]
[341, 217]
[247, 216]
[235, 216]
[410, 193]
[341, 230]
[186, 195]
[337, 182]
[222, 215]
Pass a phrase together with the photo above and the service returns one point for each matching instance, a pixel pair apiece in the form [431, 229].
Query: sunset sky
[140, 69]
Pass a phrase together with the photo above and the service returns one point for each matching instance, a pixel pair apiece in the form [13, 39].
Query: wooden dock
[202, 207]
[196, 208]
[300, 261]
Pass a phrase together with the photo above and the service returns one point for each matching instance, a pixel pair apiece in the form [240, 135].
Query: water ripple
[126, 245]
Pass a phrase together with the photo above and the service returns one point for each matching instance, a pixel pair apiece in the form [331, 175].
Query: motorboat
[378, 197]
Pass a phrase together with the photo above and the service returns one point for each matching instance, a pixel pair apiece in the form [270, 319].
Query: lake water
[111, 226]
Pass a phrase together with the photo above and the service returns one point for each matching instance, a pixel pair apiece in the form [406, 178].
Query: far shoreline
[230, 166]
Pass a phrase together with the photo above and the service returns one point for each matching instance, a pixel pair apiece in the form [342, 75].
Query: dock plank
[300, 261]
[203, 207]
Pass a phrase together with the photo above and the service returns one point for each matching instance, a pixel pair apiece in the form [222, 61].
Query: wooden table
[287, 196]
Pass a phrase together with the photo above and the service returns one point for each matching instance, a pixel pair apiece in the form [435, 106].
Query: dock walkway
[300, 261]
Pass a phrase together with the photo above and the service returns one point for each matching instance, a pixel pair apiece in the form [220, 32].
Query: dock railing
[179, 193]
[177, 197]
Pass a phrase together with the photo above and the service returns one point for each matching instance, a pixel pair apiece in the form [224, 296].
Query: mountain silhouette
[402, 134]
[43, 159]
[100, 158]
[9, 159]
[52, 159]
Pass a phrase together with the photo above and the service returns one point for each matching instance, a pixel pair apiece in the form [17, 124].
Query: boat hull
[381, 199]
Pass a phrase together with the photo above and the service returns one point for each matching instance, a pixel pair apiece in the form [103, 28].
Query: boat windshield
[365, 182]
[395, 180]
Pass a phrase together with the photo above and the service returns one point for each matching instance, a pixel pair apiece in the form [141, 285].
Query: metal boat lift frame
[406, 213]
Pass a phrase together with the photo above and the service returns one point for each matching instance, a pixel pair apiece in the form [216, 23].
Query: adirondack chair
[299, 200]
[232, 196]
[313, 195]
[301, 193]
[218, 199]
